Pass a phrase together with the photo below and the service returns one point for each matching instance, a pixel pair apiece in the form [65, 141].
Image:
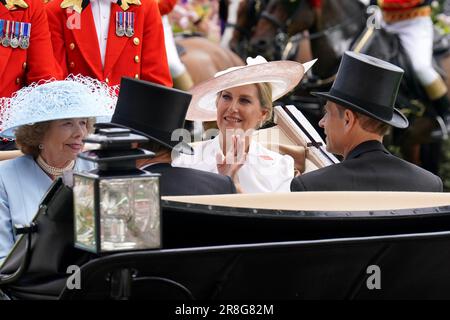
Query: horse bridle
[281, 35]
[290, 6]
[272, 19]
[252, 14]
[282, 27]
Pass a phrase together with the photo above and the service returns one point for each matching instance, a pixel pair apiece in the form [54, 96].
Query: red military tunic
[315, 3]
[397, 10]
[402, 4]
[166, 6]
[20, 67]
[141, 56]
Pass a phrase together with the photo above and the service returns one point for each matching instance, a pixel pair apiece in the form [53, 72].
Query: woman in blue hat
[49, 122]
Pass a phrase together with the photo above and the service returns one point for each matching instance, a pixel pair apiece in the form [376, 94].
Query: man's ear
[349, 119]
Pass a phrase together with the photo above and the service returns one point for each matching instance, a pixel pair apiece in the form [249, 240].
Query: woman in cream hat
[49, 121]
[240, 100]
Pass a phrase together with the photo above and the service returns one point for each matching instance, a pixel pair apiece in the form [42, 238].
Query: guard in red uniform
[26, 53]
[411, 21]
[108, 40]
[398, 10]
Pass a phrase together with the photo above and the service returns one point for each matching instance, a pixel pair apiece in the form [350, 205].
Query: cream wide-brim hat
[75, 97]
[282, 75]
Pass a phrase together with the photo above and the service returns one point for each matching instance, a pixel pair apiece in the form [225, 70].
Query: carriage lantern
[116, 206]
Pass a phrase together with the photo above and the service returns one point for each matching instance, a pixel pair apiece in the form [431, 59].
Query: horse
[343, 26]
[329, 35]
[248, 14]
[204, 58]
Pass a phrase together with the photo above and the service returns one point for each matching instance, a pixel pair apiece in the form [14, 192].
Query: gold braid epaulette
[13, 4]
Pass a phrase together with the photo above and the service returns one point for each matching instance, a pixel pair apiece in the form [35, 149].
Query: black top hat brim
[398, 119]
[181, 146]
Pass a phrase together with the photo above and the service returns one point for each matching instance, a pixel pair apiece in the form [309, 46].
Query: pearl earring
[41, 146]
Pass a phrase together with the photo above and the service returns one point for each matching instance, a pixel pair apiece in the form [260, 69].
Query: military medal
[129, 32]
[120, 28]
[25, 38]
[5, 40]
[15, 35]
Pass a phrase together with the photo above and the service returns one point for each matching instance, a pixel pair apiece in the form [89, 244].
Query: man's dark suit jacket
[369, 167]
[176, 181]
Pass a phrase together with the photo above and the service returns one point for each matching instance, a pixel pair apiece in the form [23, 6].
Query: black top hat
[368, 85]
[152, 110]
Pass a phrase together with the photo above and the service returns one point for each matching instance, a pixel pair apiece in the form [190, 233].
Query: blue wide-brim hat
[74, 97]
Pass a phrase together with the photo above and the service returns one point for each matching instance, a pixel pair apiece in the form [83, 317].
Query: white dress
[263, 171]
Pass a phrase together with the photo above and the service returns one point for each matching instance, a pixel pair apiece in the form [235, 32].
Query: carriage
[310, 245]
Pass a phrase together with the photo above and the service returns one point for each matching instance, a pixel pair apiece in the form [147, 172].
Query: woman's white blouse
[263, 171]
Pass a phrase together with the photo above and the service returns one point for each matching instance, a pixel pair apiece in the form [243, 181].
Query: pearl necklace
[54, 171]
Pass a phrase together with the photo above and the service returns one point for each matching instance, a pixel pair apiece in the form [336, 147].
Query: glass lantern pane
[130, 214]
[84, 210]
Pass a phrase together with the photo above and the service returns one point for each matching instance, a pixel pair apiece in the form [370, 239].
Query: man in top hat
[358, 114]
[108, 39]
[26, 53]
[156, 112]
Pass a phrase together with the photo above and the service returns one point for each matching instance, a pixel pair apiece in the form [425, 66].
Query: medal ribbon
[17, 30]
[11, 30]
[27, 30]
[7, 29]
[120, 19]
[22, 24]
[125, 20]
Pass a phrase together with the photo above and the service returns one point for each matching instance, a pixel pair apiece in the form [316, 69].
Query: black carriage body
[221, 252]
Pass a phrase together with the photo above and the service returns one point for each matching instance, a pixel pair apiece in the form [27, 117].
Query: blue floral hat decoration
[75, 97]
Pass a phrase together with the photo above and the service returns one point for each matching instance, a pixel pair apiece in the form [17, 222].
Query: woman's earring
[41, 146]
